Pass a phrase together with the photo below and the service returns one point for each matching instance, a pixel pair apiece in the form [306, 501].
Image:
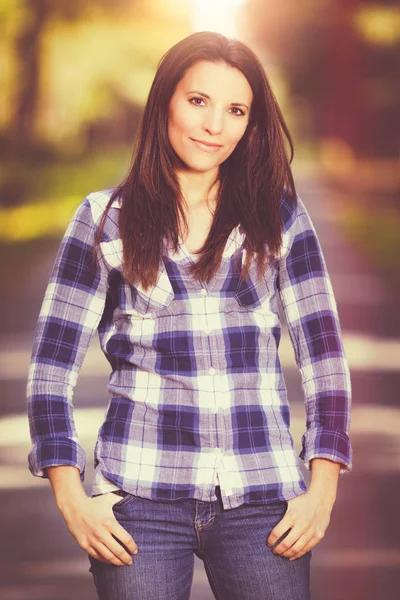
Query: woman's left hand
[307, 516]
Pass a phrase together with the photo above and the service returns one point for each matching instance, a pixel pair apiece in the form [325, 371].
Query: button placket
[206, 329]
[217, 459]
[212, 370]
[214, 374]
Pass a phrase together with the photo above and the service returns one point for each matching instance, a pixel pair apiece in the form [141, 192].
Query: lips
[207, 146]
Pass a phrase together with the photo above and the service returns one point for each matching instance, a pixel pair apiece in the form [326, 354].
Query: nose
[213, 122]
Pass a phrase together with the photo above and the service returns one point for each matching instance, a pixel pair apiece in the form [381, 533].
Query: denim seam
[196, 528]
[210, 522]
[218, 597]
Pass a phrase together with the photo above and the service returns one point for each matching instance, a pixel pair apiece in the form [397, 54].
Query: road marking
[364, 353]
[369, 422]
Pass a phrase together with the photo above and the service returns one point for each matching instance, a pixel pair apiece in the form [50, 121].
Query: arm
[313, 323]
[71, 310]
[312, 317]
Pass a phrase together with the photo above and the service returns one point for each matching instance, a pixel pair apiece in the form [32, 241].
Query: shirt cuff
[56, 452]
[325, 442]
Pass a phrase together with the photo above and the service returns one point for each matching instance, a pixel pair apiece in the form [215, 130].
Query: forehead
[218, 80]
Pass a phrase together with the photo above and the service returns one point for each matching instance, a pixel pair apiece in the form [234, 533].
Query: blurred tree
[37, 13]
[339, 57]
[76, 75]
[27, 50]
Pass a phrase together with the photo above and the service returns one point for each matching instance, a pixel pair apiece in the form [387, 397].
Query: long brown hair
[252, 179]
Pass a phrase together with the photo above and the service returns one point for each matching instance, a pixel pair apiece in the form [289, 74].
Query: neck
[198, 188]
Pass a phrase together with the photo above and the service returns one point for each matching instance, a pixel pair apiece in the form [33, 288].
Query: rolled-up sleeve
[71, 311]
[312, 317]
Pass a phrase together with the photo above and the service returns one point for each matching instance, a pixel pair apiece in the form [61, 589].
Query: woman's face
[208, 114]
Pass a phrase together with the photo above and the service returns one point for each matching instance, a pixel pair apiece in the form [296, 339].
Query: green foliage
[67, 64]
[55, 191]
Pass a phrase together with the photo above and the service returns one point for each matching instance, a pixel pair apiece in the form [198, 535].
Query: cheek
[182, 121]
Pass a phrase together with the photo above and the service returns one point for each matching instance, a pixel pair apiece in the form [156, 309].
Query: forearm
[324, 478]
[66, 483]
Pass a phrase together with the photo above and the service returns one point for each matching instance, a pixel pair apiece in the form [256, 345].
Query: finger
[313, 540]
[109, 554]
[309, 545]
[109, 535]
[295, 536]
[124, 537]
[296, 548]
[279, 530]
[114, 545]
[95, 554]
[285, 544]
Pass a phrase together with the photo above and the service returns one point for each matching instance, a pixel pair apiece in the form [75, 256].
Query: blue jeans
[231, 543]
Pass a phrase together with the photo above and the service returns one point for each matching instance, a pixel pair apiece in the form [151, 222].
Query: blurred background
[74, 76]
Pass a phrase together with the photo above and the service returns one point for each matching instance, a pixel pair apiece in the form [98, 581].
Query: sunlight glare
[216, 15]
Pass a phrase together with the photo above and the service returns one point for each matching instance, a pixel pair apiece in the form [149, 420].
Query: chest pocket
[134, 300]
[253, 292]
[151, 303]
[133, 303]
[156, 298]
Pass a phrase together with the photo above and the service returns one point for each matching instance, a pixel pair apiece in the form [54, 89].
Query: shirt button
[207, 331]
[217, 450]
[215, 409]
[203, 292]
[212, 371]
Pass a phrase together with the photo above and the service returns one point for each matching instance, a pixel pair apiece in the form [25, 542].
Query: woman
[179, 269]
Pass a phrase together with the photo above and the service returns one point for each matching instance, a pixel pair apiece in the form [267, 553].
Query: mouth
[207, 146]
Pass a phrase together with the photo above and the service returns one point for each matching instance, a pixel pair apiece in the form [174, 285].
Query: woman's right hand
[92, 523]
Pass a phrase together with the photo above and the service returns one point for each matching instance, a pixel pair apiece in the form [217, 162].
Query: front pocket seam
[125, 500]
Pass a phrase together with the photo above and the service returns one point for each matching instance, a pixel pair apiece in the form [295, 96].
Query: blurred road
[359, 558]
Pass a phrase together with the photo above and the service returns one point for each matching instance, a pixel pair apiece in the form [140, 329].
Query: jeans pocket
[276, 510]
[126, 498]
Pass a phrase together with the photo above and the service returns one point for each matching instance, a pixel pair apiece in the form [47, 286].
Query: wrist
[324, 497]
[66, 502]
[324, 480]
[67, 487]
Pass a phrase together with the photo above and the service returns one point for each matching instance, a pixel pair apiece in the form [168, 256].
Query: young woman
[179, 269]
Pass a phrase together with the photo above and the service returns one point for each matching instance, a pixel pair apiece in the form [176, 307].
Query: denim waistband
[123, 493]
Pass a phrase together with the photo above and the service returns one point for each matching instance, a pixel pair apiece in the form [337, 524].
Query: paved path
[359, 558]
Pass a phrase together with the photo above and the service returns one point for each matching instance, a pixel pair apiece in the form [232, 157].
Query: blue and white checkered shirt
[197, 393]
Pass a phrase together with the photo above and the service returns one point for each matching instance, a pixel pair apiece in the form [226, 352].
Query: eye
[195, 99]
[240, 113]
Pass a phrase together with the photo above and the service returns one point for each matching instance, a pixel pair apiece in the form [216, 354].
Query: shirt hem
[204, 493]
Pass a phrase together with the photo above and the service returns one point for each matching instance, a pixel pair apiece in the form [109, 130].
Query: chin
[200, 166]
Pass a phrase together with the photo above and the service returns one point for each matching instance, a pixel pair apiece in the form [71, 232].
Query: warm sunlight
[216, 15]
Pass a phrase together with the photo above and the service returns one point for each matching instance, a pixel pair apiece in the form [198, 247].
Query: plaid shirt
[196, 390]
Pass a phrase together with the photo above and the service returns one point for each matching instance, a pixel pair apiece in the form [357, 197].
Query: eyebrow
[208, 98]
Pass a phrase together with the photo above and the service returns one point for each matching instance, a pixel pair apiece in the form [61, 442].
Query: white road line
[369, 422]
[364, 353]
